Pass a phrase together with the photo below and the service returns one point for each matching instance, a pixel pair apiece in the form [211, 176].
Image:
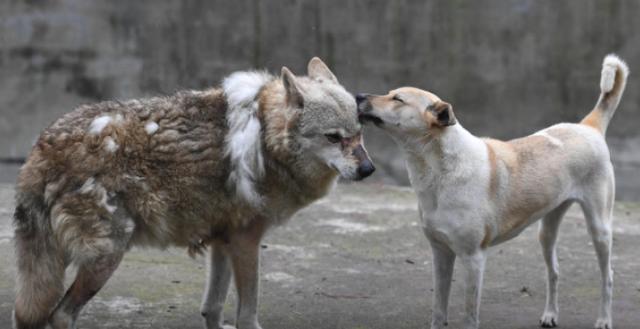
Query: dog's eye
[397, 99]
[333, 138]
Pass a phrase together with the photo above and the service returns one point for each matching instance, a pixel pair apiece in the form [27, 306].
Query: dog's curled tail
[612, 83]
[40, 279]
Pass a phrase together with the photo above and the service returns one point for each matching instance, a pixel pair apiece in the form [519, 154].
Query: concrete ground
[358, 259]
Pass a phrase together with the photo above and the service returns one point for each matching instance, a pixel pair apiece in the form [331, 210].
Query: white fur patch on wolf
[90, 186]
[151, 127]
[610, 66]
[98, 124]
[110, 145]
[243, 142]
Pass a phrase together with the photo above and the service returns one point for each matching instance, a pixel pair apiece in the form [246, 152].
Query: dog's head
[406, 112]
[327, 126]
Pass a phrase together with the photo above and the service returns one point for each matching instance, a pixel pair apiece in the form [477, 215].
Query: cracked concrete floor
[358, 259]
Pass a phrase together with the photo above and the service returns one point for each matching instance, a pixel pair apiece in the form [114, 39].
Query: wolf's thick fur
[477, 192]
[197, 169]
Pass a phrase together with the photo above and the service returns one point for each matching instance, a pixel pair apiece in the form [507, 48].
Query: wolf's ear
[294, 95]
[318, 69]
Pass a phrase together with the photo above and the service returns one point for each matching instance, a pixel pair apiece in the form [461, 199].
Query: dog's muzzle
[364, 110]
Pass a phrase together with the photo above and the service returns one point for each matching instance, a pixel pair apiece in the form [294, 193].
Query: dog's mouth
[367, 117]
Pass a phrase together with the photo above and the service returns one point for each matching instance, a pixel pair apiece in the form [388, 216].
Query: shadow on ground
[357, 260]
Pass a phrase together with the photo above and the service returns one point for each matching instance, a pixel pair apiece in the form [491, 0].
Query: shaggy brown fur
[154, 172]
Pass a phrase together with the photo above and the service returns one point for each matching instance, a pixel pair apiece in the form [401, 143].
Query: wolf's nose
[361, 98]
[365, 169]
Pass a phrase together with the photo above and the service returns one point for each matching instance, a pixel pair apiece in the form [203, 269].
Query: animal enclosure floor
[358, 259]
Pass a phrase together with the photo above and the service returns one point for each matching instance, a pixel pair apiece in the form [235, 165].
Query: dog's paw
[603, 324]
[549, 320]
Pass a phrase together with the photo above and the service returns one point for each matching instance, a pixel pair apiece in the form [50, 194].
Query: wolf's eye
[333, 138]
[397, 99]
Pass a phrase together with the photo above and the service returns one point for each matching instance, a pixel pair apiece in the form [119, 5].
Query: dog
[477, 192]
[212, 169]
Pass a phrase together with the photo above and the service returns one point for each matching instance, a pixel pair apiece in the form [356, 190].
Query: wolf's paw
[603, 324]
[61, 320]
[549, 320]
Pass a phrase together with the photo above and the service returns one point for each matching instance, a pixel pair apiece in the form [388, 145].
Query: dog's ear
[440, 114]
[294, 95]
[318, 69]
[444, 114]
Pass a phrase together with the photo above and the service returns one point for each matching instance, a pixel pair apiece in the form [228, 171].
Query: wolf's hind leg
[90, 279]
[219, 277]
[94, 230]
[548, 235]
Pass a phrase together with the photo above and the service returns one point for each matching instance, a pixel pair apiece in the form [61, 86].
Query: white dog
[477, 192]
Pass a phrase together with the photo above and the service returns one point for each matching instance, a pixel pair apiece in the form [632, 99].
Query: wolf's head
[321, 121]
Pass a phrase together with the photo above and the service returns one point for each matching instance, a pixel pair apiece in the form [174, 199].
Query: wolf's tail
[612, 82]
[40, 265]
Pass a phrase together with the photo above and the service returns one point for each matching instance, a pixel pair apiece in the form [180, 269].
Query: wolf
[475, 192]
[208, 170]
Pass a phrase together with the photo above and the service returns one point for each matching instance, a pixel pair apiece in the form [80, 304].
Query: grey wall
[508, 67]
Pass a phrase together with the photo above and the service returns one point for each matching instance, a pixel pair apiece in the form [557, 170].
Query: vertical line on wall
[257, 34]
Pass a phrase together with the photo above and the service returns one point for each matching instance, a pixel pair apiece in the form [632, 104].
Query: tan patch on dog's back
[525, 187]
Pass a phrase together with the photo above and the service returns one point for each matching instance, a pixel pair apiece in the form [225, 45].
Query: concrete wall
[508, 67]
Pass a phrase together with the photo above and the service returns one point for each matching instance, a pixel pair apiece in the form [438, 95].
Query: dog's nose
[365, 169]
[361, 98]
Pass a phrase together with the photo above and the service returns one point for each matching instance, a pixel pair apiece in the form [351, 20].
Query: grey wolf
[477, 192]
[211, 169]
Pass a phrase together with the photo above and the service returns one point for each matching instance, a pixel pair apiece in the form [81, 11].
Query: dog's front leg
[244, 250]
[443, 262]
[219, 277]
[474, 271]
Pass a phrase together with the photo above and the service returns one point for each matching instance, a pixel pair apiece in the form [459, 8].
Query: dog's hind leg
[219, 277]
[443, 263]
[548, 235]
[474, 271]
[244, 251]
[598, 211]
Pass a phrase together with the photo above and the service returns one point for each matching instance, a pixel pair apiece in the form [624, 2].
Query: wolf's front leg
[474, 271]
[244, 250]
[219, 277]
